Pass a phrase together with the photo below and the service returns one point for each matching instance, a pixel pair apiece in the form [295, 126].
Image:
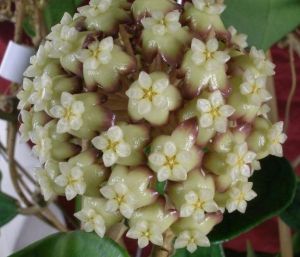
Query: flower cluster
[128, 95]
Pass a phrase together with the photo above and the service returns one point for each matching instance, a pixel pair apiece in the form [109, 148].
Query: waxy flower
[276, 138]
[255, 88]
[240, 161]
[238, 195]
[94, 217]
[26, 127]
[163, 34]
[238, 39]
[105, 15]
[191, 240]
[25, 93]
[261, 65]
[152, 97]
[69, 113]
[103, 63]
[127, 190]
[209, 6]
[214, 112]
[172, 157]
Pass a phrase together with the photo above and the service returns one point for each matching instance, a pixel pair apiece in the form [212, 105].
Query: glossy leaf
[275, 185]
[8, 208]
[160, 187]
[264, 21]
[296, 243]
[291, 216]
[73, 244]
[213, 251]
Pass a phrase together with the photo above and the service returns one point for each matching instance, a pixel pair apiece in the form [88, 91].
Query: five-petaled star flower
[152, 97]
[214, 112]
[71, 179]
[255, 88]
[69, 113]
[170, 162]
[42, 143]
[191, 240]
[276, 138]
[26, 125]
[239, 194]
[239, 161]
[112, 144]
[238, 39]
[25, 93]
[262, 66]
[161, 24]
[198, 203]
[146, 232]
[209, 6]
[119, 198]
[208, 54]
[91, 221]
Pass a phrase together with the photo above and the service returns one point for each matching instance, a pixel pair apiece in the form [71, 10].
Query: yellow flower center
[112, 145]
[198, 204]
[146, 233]
[171, 161]
[69, 114]
[215, 112]
[120, 199]
[208, 55]
[149, 93]
[254, 89]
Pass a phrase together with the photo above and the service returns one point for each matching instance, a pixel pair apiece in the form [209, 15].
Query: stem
[286, 244]
[167, 249]
[139, 252]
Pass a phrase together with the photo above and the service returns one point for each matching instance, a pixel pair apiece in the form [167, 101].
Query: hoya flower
[42, 143]
[214, 112]
[264, 110]
[127, 190]
[276, 138]
[152, 97]
[262, 66]
[239, 195]
[255, 88]
[209, 6]
[164, 34]
[238, 39]
[240, 161]
[105, 15]
[26, 127]
[42, 94]
[149, 223]
[172, 157]
[69, 113]
[71, 179]
[40, 63]
[208, 54]
[103, 63]
[25, 93]
[93, 217]
[191, 240]
[198, 203]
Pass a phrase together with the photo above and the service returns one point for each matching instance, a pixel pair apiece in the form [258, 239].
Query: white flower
[71, 179]
[240, 161]
[25, 93]
[238, 39]
[161, 24]
[214, 113]
[239, 195]
[276, 138]
[209, 6]
[112, 144]
[119, 198]
[170, 161]
[38, 61]
[208, 54]
[191, 240]
[148, 93]
[91, 221]
[97, 53]
[263, 66]
[255, 88]
[45, 177]
[69, 113]
[63, 36]
[144, 232]
[264, 110]
[42, 143]
[26, 125]
[197, 203]
[95, 7]
[42, 94]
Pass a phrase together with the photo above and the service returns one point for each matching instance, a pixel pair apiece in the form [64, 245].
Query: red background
[265, 237]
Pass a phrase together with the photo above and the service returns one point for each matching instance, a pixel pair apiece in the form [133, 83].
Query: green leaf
[213, 251]
[160, 187]
[275, 185]
[291, 216]
[28, 27]
[296, 243]
[8, 208]
[73, 244]
[264, 21]
[55, 10]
